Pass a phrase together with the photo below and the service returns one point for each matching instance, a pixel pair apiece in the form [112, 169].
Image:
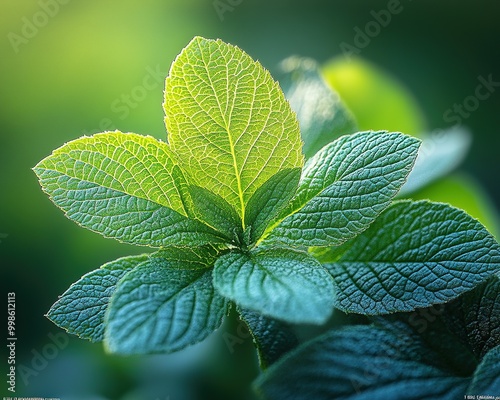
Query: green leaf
[439, 154]
[486, 379]
[159, 307]
[344, 187]
[362, 362]
[376, 98]
[414, 255]
[217, 213]
[189, 257]
[322, 115]
[228, 121]
[443, 348]
[464, 192]
[123, 186]
[279, 283]
[272, 338]
[80, 310]
[475, 317]
[268, 200]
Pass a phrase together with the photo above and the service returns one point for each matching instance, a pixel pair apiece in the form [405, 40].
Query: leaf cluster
[236, 216]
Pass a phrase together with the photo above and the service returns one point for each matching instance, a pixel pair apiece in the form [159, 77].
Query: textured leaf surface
[415, 254]
[465, 192]
[486, 380]
[322, 115]
[361, 363]
[81, 309]
[475, 317]
[268, 200]
[123, 186]
[159, 307]
[217, 213]
[272, 338]
[345, 186]
[443, 349]
[228, 121]
[189, 257]
[280, 283]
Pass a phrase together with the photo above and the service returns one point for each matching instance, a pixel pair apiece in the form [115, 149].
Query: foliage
[237, 217]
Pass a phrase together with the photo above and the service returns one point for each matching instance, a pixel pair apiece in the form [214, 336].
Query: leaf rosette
[235, 216]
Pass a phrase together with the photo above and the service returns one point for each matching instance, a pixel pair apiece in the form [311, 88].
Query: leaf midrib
[161, 303]
[227, 129]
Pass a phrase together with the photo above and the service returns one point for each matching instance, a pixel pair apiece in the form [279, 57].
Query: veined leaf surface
[123, 186]
[228, 121]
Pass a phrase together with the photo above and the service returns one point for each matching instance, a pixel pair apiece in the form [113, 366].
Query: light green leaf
[159, 307]
[322, 115]
[123, 186]
[359, 363]
[271, 337]
[280, 283]
[268, 200]
[80, 310]
[414, 255]
[228, 121]
[344, 187]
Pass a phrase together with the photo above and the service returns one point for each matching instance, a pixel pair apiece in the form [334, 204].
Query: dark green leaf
[272, 338]
[217, 213]
[486, 380]
[344, 187]
[465, 192]
[443, 349]
[280, 283]
[160, 308]
[81, 309]
[414, 255]
[268, 200]
[362, 362]
[475, 317]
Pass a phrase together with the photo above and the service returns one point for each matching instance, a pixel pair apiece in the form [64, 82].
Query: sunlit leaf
[228, 121]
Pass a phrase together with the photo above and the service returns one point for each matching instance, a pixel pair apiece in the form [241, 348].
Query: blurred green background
[69, 68]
